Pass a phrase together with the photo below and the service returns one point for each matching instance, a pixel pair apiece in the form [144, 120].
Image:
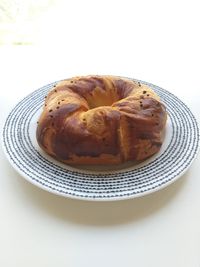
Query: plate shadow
[93, 213]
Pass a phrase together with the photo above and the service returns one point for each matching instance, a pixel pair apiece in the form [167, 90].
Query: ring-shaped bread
[101, 120]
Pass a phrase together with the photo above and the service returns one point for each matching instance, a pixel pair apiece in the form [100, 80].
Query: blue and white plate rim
[103, 179]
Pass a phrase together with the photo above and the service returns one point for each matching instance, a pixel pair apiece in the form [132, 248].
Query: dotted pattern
[177, 157]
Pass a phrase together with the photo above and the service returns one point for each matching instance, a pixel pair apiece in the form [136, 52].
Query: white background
[156, 41]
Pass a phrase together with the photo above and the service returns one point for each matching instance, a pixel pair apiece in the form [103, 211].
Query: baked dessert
[101, 120]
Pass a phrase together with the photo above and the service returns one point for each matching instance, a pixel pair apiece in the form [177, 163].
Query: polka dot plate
[100, 182]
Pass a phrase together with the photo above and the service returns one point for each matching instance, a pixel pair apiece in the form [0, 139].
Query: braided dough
[101, 120]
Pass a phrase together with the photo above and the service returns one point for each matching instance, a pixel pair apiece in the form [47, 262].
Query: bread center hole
[101, 98]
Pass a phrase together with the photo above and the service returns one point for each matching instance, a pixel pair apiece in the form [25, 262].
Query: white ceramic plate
[94, 182]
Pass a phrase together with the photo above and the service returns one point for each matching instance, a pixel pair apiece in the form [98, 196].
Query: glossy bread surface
[101, 120]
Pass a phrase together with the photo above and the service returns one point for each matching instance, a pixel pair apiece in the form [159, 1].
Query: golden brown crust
[101, 120]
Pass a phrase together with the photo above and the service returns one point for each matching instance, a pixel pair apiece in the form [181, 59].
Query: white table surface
[162, 229]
